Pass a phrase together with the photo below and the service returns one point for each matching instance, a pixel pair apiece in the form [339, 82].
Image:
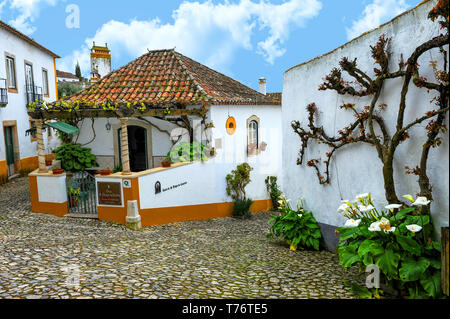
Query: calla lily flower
[343, 208]
[361, 196]
[421, 201]
[409, 197]
[391, 207]
[390, 230]
[375, 227]
[414, 228]
[352, 223]
[300, 215]
[365, 209]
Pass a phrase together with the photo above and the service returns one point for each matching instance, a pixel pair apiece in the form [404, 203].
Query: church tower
[100, 62]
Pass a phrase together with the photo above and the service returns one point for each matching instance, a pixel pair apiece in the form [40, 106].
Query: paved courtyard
[47, 257]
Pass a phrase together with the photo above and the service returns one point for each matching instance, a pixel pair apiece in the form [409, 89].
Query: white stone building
[27, 73]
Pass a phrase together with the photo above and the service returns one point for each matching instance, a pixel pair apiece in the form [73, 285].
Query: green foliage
[241, 208]
[78, 71]
[118, 168]
[75, 158]
[273, 190]
[298, 227]
[409, 261]
[237, 181]
[188, 152]
[68, 88]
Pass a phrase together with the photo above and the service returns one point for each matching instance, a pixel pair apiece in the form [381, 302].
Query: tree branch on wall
[369, 125]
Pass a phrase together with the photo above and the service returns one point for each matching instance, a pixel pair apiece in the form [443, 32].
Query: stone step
[85, 216]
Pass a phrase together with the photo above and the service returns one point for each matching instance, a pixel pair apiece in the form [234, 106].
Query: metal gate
[81, 193]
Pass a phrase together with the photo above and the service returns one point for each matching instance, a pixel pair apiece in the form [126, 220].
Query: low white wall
[57, 185]
[356, 169]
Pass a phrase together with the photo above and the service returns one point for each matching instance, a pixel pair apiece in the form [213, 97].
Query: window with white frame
[11, 73]
[45, 82]
[253, 124]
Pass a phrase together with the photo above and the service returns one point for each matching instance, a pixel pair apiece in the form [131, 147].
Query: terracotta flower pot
[105, 172]
[166, 164]
[58, 171]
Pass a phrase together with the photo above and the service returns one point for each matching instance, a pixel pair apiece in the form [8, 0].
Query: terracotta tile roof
[9, 28]
[66, 75]
[166, 76]
[277, 97]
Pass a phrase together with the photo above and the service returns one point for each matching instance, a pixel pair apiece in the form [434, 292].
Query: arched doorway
[137, 148]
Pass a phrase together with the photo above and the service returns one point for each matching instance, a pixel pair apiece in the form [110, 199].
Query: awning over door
[60, 126]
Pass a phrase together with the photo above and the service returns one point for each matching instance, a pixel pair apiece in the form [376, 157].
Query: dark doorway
[137, 148]
[9, 142]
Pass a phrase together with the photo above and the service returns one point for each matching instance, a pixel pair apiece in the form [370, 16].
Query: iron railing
[34, 94]
[3, 93]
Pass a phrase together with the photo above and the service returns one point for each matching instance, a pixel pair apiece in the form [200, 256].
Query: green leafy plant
[236, 183]
[75, 158]
[241, 208]
[397, 240]
[188, 152]
[298, 227]
[118, 168]
[273, 190]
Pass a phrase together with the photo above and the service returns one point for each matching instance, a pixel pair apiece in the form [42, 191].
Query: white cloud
[2, 4]
[375, 14]
[28, 11]
[208, 32]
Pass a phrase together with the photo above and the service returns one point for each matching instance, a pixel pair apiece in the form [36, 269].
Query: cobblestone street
[47, 257]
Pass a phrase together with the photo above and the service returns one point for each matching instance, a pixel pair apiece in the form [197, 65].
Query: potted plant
[167, 161]
[263, 146]
[58, 171]
[105, 172]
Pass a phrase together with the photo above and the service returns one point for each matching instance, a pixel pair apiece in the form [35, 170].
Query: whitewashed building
[27, 73]
[161, 99]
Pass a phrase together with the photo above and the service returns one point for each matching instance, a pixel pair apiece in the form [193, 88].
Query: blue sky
[245, 39]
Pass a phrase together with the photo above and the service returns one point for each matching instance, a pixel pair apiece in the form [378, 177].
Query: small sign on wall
[126, 183]
[109, 193]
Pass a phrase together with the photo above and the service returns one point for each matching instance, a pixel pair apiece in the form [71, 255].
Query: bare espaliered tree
[363, 129]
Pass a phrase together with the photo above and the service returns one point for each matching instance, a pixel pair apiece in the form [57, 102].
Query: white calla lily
[362, 196]
[421, 201]
[392, 207]
[390, 230]
[352, 223]
[375, 227]
[364, 208]
[414, 228]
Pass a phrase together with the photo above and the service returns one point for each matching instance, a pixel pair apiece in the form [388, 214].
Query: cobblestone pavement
[48, 257]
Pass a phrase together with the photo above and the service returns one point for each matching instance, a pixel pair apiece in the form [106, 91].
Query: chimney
[262, 86]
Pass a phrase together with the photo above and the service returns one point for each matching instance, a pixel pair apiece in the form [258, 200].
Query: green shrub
[273, 190]
[236, 183]
[298, 227]
[399, 241]
[241, 208]
[188, 152]
[75, 158]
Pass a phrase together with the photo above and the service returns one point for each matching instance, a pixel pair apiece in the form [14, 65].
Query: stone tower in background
[100, 62]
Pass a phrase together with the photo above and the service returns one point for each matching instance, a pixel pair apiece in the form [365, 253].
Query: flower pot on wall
[166, 164]
[263, 146]
[105, 172]
[58, 171]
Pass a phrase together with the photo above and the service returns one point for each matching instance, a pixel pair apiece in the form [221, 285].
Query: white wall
[16, 108]
[356, 168]
[234, 147]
